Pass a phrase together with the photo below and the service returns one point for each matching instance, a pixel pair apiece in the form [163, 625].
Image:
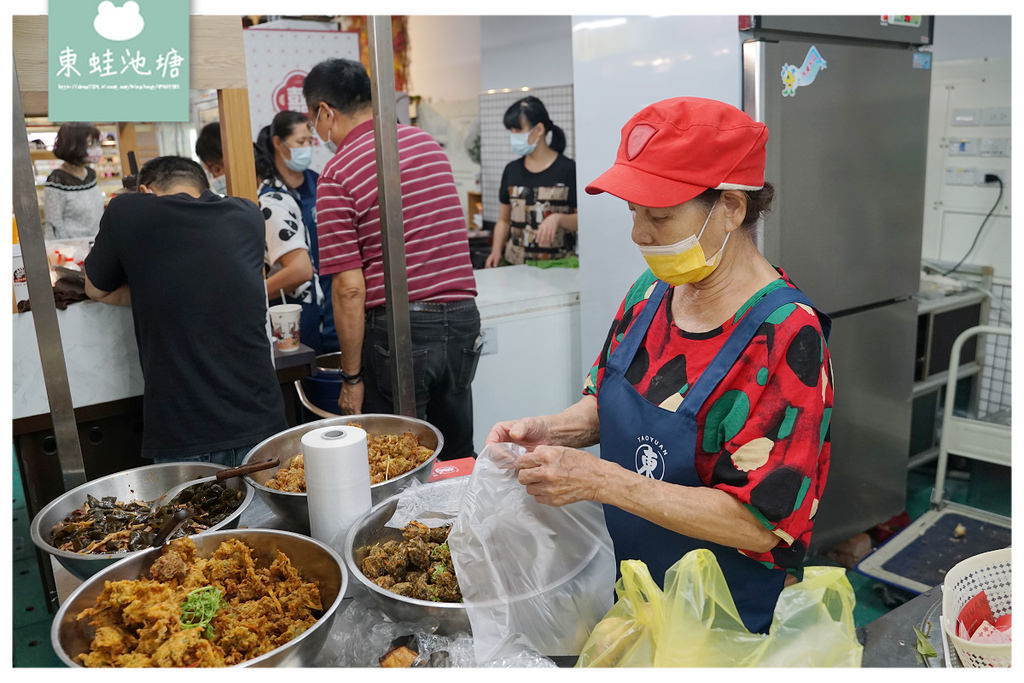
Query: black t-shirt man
[190, 262]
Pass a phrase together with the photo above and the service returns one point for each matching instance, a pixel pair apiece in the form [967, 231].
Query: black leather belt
[432, 306]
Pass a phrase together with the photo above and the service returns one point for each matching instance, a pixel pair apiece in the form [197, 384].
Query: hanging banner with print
[118, 61]
[276, 63]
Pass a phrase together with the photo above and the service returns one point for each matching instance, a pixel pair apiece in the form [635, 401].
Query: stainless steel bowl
[292, 507]
[314, 561]
[141, 483]
[450, 618]
[369, 529]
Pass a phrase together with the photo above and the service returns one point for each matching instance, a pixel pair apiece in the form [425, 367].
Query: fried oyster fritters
[138, 623]
[390, 455]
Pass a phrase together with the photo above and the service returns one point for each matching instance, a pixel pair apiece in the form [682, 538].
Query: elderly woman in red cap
[712, 394]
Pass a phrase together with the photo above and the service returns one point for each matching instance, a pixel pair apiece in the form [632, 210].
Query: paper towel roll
[337, 481]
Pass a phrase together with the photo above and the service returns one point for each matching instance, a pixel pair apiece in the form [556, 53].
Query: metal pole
[389, 194]
[40, 292]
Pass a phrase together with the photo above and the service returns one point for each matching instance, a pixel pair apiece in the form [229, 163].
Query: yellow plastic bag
[694, 621]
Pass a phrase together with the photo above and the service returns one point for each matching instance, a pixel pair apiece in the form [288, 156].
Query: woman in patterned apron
[712, 394]
[283, 151]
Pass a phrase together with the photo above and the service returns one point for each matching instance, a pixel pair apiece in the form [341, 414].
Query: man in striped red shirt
[443, 314]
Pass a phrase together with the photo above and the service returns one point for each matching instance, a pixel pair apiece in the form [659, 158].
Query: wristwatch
[351, 379]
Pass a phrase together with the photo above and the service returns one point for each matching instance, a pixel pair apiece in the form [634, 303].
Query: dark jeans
[445, 351]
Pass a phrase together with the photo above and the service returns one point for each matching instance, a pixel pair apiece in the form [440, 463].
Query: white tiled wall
[995, 380]
[495, 151]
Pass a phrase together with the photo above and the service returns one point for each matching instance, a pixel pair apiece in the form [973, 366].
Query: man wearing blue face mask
[283, 152]
[444, 320]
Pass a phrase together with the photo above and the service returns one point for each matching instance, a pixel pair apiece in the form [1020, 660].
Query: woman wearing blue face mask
[287, 196]
[537, 213]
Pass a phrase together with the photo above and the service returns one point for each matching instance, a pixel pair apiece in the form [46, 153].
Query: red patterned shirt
[438, 267]
[763, 433]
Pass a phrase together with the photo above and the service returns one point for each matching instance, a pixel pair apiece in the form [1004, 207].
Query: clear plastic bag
[694, 621]
[362, 634]
[432, 505]
[531, 575]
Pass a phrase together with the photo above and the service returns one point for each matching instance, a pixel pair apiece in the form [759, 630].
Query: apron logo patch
[650, 457]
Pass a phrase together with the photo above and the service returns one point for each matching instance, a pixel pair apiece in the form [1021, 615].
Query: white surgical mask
[219, 185]
[94, 154]
[301, 158]
[328, 143]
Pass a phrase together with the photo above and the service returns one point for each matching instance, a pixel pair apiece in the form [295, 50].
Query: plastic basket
[989, 572]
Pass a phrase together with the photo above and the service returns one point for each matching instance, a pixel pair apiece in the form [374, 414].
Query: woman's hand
[493, 260]
[547, 230]
[528, 432]
[556, 475]
[350, 401]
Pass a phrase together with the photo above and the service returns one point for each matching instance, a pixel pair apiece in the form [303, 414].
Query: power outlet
[1003, 174]
[961, 176]
[996, 116]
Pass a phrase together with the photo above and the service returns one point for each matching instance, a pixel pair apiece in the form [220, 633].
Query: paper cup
[284, 323]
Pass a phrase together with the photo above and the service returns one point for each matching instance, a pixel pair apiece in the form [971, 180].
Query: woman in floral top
[712, 394]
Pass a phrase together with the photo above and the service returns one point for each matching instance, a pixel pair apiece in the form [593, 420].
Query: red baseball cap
[673, 150]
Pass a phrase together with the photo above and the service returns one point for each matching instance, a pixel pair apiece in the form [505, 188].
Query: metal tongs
[176, 521]
[221, 475]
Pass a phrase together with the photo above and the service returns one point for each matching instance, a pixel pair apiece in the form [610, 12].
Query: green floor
[31, 620]
[988, 488]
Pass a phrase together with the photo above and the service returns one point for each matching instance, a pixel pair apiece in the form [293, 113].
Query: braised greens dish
[107, 525]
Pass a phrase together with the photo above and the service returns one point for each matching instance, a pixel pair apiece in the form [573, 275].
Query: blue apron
[306, 194]
[307, 202]
[644, 438]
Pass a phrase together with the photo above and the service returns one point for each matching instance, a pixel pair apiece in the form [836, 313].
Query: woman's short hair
[73, 139]
[208, 147]
[759, 202]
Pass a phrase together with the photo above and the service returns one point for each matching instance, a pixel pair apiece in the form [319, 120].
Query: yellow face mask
[684, 261]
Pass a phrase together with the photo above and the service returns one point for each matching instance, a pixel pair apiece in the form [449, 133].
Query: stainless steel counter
[890, 641]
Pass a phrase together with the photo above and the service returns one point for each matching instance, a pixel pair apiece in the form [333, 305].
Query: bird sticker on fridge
[793, 77]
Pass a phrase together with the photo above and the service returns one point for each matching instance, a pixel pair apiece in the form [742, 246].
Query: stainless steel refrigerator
[845, 100]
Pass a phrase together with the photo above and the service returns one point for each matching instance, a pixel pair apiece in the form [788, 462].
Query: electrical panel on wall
[969, 156]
